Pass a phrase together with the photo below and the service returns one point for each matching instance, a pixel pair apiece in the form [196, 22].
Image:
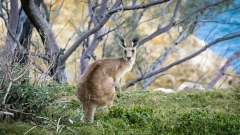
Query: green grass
[140, 112]
[19, 128]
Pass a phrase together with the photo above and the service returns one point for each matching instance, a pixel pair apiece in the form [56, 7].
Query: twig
[38, 54]
[6, 113]
[53, 3]
[232, 75]
[163, 11]
[58, 123]
[57, 13]
[46, 11]
[30, 130]
[38, 67]
[114, 29]
[2, 15]
[7, 91]
[227, 75]
[62, 28]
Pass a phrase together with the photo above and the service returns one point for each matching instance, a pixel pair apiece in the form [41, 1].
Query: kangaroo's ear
[135, 41]
[123, 44]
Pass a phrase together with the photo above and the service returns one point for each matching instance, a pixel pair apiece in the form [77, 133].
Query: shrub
[28, 101]
[204, 122]
[123, 121]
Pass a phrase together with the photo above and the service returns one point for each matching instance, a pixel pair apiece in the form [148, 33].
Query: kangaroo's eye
[125, 51]
[132, 51]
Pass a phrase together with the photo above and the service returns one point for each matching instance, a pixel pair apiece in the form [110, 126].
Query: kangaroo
[96, 86]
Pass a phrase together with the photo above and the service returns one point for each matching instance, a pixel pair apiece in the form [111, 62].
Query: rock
[164, 90]
[190, 86]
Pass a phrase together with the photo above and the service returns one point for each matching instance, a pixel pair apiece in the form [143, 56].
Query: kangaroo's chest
[124, 70]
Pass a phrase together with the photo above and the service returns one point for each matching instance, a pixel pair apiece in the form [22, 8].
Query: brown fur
[96, 87]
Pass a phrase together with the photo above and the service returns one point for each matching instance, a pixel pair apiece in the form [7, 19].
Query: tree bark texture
[57, 66]
[13, 22]
[42, 26]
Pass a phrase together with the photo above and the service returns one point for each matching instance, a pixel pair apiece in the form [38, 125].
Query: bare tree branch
[163, 11]
[174, 23]
[46, 11]
[103, 47]
[95, 18]
[159, 62]
[57, 13]
[109, 31]
[6, 113]
[2, 14]
[20, 75]
[221, 72]
[38, 67]
[227, 75]
[13, 15]
[139, 78]
[106, 17]
[6, 93]
[12, 27]
[141, 15]
[62, 29]
[38, 54]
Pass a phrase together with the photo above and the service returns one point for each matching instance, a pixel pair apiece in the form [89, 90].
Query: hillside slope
[142, 112]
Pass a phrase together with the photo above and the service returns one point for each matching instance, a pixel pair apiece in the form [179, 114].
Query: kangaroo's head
[129, 49]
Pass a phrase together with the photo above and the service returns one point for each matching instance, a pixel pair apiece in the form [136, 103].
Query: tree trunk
[23, 35]
[12, 26]
[25, 39]
[57, 67]
[42, 26]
